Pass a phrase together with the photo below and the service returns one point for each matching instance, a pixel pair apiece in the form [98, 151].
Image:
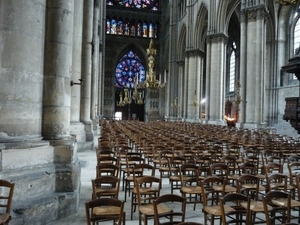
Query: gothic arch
[201, 28]
[136, 48]
[182, 43]
[224, 14]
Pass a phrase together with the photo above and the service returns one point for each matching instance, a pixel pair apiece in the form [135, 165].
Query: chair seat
[106, 190]
[106, 210]
[177, 178]
[233, 176]
[282, 202]
[143, 190]
[253, 186]
[255, 206]
[281, 186]
[149, 210]
[191, 189]
[216, 209]
[4, 218]
[228, 188]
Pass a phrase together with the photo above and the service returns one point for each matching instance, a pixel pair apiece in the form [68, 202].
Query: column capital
[195, 52]
[254, 13]
[215, 38]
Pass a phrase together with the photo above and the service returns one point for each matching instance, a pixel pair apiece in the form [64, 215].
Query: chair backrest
[279, 203]
[7, 190]
[247, 168]
[148, 189]
[143, 169]
[106, 186]
[174, 216]
[248, 184]
[232, 212]
[212, 189]
[219, 170]
[104, 209]
[107, 169]
[277, 181]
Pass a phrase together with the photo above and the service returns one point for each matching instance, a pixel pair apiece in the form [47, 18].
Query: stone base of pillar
[47, 181]
[217, 122]
[252, 125]
[78, 131]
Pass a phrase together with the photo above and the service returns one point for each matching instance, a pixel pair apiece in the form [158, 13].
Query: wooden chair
[278, 210]
[131, 161]
[175, 164]
[7, 190]
[279, 181]
[231, 162]
[105, 209]
[105, 186]
[212, 189]
[238, 215]
[172, 217]
[148, 189]
[139, 170]
[190, 186]
[222, 170]
[249, 185]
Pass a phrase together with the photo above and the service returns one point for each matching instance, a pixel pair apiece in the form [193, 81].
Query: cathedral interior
[66, 66]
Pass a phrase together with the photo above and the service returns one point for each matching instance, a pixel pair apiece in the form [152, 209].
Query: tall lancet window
[232, 68]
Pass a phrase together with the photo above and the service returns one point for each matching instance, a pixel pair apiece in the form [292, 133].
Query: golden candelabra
[136, 96]
[287, 2]
[126, 99]
[151, 81]
[194, 103]
[175, 104]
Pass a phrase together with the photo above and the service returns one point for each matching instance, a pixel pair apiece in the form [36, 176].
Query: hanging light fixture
[287, 2]
[151, 81]
[126, 100]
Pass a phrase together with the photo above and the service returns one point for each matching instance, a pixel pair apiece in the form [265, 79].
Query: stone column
[57, 94]
[192, 110]
[243, 67]
[216, 78]
[255, 74]
[95, 64]
[21, 69]
[77, 128]
[181, 89]
[185, 88]
[102, 33]
[87, 42]
[76, 61]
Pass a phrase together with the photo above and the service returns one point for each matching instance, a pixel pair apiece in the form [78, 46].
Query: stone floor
[88, 164]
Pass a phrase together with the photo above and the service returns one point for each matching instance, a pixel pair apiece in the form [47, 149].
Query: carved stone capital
[216, 38]
[195, 52]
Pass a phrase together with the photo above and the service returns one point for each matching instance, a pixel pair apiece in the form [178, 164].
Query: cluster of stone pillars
[43, 119]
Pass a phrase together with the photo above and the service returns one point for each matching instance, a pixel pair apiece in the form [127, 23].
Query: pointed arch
[182, 43]
[201, 28]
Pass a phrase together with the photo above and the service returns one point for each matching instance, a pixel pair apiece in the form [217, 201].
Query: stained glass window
[107, 26]
[120, 27]
[127, 69]
[139, 4]
[113, 26]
